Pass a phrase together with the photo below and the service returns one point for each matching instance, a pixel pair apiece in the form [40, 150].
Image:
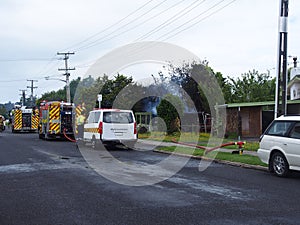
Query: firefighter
[80, 119]
[80, 124]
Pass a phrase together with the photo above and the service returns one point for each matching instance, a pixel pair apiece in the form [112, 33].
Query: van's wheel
[279, 164]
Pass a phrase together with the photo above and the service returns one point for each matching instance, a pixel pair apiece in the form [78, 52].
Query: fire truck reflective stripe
[54, 119]
[54, 113]
[78, 110]
[54, 128]
[78, 113]
[91, 130]
[18, 120]
[34, 122]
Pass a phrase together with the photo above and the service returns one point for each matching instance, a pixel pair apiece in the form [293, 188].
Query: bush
[170, 109]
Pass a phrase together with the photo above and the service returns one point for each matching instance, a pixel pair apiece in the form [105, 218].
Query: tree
[60, 95]
[3, 111]
[197, 80]
[112, 88]
[170, 109]
[252, 87]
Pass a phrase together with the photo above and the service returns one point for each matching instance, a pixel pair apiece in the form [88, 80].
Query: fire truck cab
[57, 120]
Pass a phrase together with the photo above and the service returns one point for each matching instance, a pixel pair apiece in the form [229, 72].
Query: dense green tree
[61, 94]
[252, 87]
[198, 82]
[170, 110]
[3, 111]
[112, 88]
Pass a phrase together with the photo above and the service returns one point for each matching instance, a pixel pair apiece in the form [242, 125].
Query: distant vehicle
[280, 145]
[2, 120]
[57, 120]
[110, 126]
[24, 119]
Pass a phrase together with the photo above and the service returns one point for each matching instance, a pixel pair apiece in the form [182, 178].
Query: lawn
[246, 159]
[201, 139]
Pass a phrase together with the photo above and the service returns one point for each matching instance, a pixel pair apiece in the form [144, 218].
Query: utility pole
[67, 74]
[281, 80]
[31, 88]
[23, 97]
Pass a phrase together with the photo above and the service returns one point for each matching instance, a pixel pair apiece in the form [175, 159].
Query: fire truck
[2, 127]
[57, 120]
[24, 119]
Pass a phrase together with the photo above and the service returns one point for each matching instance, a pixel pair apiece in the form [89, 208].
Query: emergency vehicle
[110, 126]
[24, 119]
[56, 120]
[2, 127]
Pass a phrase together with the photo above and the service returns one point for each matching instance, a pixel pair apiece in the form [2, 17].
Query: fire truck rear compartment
[67, 120]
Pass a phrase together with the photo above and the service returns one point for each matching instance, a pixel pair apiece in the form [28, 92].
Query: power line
[170, 20]
[93, 43]
[25, 59]
[148, 45]
[194, 18]
[31, 88]
[111, 26]
[67, 74]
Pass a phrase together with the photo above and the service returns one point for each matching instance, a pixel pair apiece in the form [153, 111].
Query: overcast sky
[233, 36]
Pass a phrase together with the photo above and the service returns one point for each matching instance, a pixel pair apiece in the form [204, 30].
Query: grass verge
[226, 156]
[202, 139]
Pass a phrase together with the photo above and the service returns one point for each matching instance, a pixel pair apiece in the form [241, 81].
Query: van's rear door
[118, 125]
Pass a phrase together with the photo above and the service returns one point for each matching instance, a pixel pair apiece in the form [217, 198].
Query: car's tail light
[100, 128]
[134, 129]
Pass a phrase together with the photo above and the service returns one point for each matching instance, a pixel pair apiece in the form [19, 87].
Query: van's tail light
[100, 128]
[134, 129]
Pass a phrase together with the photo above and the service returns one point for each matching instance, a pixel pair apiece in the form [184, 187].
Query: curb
[236, 164]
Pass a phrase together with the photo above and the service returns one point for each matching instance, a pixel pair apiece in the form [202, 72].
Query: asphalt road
[49, 182]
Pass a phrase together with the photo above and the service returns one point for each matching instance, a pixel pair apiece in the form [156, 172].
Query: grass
[247, 159]
[202, 139]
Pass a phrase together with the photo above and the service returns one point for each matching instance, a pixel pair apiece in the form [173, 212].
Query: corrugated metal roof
[253, 104]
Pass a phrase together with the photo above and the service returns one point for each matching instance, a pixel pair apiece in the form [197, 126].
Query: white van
[110, 126]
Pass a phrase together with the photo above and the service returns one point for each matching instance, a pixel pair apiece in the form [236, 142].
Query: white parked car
[110, 126]
[280, 145]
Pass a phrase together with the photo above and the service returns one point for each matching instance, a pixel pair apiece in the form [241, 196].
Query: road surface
[49, 182]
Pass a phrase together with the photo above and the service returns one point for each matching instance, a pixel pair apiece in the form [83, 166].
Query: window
[117, 117]
[280, 128]
[91, 117]
[94, 117]
[295, 133]
[97, 116]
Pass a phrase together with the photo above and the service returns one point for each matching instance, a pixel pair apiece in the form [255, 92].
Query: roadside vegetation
[201, 139]
[224, 156]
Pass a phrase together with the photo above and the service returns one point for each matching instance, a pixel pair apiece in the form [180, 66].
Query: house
[294, 84]
[249, 120]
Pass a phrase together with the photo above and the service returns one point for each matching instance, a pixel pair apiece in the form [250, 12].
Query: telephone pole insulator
[31, 88]
[67, 74]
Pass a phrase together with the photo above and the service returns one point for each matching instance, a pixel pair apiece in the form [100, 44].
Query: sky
[233, 36]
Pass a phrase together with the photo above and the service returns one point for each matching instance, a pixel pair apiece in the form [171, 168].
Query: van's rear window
[117, 117]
